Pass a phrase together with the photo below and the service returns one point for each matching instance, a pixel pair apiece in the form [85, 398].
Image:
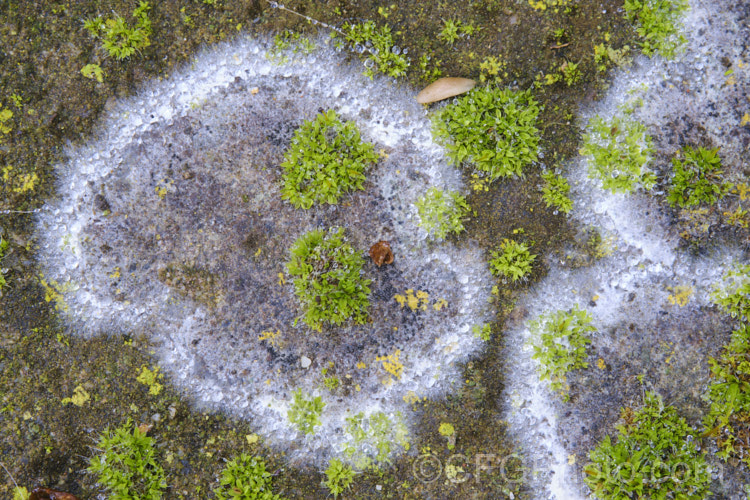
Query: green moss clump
[483, 332]
[513, 260]
[328, 279]
[382, 55]
[733, 295]
[449, 33]
[658, 25]
[453, 29]
[127, 466]
[5, 117]
[559, 342]
[287, 44]
[442, 212]
[118, 38]
[338, 477]
[570, 73]
[93, 72]
[325, 159]
[555, 192]
[654, 457]
[305, 412]
[492, 129]
[245, 478]
[377, 432]
[697, 178]
[729, 394]
[618, 151]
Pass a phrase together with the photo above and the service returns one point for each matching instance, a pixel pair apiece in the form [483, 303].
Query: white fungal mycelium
[170, 223]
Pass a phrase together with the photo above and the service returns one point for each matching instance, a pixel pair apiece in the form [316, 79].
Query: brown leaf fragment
[48, 494]
[144, 428]
[443, 88]
[381, 253]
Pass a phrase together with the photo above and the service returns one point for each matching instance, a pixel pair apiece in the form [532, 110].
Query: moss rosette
[326, 159]
[492, 129]
[618, 152]
[654, 456]
[442, 213]
[697, 178]
[328, 279]
[127, 465]
[561, 339]
[658, 25]
[732, 294]
[512, 261]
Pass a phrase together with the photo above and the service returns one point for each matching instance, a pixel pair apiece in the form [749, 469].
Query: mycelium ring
[170, 223]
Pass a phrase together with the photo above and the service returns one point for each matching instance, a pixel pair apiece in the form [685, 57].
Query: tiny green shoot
[305, 412]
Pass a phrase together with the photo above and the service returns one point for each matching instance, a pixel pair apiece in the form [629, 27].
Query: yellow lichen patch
[737, 218]
[602, 247]
[538, 4]
[680, 294]
[282, 281]
[670, 350]
[414, 301]
[163, 187]
[115, 274]
[271, 337]
[411, 398]
[745, 120]
[150, 378]
[53, 292]
[554, 5]
[492, 69]
[392, 364]
[18, 183]
[601, 364]
[439, 304]
[79, 397]
[5, 116]
[361, 365]
[479, 184]
[741, 189]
